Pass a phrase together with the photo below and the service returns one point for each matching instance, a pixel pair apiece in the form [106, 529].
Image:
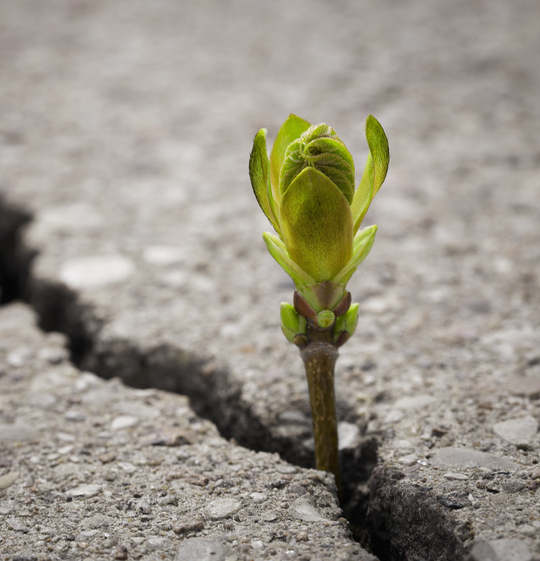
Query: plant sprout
[306, 189]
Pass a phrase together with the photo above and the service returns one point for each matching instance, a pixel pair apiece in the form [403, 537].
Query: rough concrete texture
[125, 132]
[92, 469]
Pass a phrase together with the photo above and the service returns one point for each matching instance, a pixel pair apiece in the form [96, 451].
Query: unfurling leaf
[374, 171]
[259, 173]
[319, 147]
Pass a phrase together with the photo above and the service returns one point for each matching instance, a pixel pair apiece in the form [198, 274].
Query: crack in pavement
[212, 392]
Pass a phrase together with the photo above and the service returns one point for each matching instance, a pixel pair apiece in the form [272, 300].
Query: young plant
[306, 189]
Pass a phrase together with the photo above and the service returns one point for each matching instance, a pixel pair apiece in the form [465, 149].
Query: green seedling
[306, 189]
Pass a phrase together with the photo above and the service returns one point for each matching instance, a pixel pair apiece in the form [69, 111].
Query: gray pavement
[125, 133]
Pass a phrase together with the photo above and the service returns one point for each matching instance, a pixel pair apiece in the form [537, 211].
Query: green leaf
[278, 251]
[316, 225]
[374, 171]
[378, 146]
[291, 129]
[363, 242]
[259, 173]
[362, 196]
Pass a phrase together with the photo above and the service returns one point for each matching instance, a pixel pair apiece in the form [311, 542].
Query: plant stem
[319, 356]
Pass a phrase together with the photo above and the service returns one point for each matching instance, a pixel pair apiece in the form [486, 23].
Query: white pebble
[124, 422]
[96, 271]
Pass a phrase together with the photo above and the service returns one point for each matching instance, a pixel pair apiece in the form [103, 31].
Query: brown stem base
[320, 356]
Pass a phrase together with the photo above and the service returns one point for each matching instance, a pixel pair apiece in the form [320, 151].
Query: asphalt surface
[124, 139]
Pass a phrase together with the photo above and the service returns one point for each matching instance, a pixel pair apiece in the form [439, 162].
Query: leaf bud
[321, 148]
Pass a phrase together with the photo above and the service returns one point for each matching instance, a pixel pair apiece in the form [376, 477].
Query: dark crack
[213, 392]
[395, 532]
[15, 259]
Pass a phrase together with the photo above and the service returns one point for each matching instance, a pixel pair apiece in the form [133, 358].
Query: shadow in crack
[14, 260]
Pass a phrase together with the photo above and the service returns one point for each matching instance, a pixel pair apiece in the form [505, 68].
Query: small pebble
[296, 489]
[65, 437]
[465, 457]
[513, 486]
[348, 435]
[196, 479]
[144, 507]
[164, 255]
[454, 503]
[137, 540]
[18, 357]
[17, 433]
[408, 460]
[8, 479]
[84, 491]
[201, 549]
[89, 534]
[53, 355]
[5, 509]
[305, 511]
[189, 524]
[222, 508]
[16, 525]
[158, 543]
[287, 469]
[107, 458]
[124, 422]
[42, 400]
[517, 431]
[127, 467]
[258, 498]
[91, 523]
[501, 549]
[257, 544]
[402, 444]
[121, 553]
[96, 271]
[528, 530]
[457, 476]
[528, 386]
[75, 416]
[393, 417]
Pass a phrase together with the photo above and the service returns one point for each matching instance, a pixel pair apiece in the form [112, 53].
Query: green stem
[319, 356]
